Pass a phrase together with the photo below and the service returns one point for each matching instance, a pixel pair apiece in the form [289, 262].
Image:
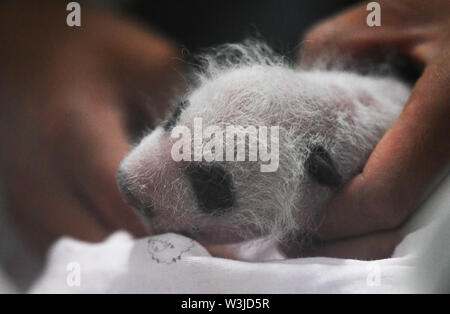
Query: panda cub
[257, 147]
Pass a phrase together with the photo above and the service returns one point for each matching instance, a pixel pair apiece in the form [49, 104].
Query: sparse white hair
[248, 85]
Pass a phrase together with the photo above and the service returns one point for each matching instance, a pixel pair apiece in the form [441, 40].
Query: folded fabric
[172, 263]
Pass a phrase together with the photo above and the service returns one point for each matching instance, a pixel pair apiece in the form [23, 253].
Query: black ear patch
[173, 119]
[321, 167]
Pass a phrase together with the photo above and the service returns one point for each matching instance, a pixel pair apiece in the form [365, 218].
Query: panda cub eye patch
[213, 187]
[321, 168]
[173, 119]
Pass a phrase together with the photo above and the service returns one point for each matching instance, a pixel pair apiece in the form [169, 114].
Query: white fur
[345, 113]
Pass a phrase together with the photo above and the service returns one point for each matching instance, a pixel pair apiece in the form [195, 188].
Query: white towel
[172, 263]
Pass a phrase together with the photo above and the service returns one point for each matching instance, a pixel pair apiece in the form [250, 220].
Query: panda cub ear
[321, 167]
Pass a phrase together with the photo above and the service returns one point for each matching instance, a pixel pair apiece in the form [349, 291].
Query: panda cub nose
[129, 197]
[212, 186]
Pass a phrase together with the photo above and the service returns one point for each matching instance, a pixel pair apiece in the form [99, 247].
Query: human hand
[363, 218]
[67, 97]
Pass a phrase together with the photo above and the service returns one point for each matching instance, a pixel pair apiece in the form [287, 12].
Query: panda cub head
[257, 147]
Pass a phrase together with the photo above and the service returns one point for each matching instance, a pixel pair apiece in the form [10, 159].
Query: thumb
[349, 35]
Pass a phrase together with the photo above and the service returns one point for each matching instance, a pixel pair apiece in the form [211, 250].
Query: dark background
[196, 24]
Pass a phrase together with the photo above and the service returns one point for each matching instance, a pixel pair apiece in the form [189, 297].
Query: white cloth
[172, 263]
[5, 284]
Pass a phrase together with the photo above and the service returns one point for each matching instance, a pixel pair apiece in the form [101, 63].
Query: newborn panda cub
[318, 128]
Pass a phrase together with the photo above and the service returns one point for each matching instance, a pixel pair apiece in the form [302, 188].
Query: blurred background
[200, 24]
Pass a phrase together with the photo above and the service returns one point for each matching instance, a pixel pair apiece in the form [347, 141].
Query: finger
[96, 181]
[44, 208]
[348, 35]
[144, 75]
[91, 160]
[93, 130]
[379, 245]
[405, 165]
